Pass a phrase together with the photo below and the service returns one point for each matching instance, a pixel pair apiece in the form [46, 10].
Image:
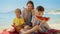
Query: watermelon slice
[42, 18]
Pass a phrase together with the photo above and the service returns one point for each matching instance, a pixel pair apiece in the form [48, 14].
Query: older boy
[36, 21]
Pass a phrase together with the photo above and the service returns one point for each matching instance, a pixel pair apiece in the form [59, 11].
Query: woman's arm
[31, 30]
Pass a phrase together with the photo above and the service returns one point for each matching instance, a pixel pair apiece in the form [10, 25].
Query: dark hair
[30, 3]
[40, 8]
[19, 10]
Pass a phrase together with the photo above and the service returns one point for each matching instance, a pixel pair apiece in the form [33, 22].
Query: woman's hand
[33, 12]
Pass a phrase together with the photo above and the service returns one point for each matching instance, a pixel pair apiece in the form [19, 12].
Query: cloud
[53, 12]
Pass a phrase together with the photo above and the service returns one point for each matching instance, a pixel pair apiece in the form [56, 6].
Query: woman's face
[30, 6]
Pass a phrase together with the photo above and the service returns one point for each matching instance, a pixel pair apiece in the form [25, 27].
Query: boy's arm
[43, 22]
[13, 25]
[39, 29]
[47, 26]
[34, 21]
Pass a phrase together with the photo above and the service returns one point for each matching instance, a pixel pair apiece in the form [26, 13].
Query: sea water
[6, 19]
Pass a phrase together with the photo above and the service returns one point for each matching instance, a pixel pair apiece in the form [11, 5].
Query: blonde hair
[18, 10]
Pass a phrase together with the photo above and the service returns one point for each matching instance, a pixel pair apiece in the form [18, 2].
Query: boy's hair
[18, 10]
[30, 3]
[40, 8]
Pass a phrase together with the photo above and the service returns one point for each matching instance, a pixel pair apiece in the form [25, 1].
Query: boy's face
[17, 13]
[40, 13]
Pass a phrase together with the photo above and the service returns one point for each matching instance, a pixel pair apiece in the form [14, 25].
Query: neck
[19, 17]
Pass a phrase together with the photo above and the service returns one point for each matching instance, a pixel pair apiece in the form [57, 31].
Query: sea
[6, 20]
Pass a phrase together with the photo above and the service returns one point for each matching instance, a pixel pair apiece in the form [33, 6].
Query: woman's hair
[30, 2]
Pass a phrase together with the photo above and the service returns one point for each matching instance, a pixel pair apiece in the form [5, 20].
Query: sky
[8, 5]
[52, 10]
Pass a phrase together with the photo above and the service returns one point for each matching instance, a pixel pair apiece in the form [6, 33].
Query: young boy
[18, 21]
[17, 24]
[42, 22]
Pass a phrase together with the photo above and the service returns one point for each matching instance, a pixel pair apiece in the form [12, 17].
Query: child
[18, 21]
[38, 19]
[17, 24]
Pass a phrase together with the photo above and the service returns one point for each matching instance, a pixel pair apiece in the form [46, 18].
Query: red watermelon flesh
[42, 18]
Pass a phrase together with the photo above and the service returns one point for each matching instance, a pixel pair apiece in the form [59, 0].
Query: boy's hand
[42, 22]
[12, 25]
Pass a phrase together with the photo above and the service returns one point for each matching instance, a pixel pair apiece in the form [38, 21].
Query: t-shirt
[18, 22]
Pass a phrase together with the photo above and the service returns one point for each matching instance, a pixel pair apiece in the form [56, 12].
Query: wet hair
[19, 10]
[30, 2]
[40, 9]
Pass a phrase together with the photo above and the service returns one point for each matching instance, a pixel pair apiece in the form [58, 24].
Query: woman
[28, 12]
